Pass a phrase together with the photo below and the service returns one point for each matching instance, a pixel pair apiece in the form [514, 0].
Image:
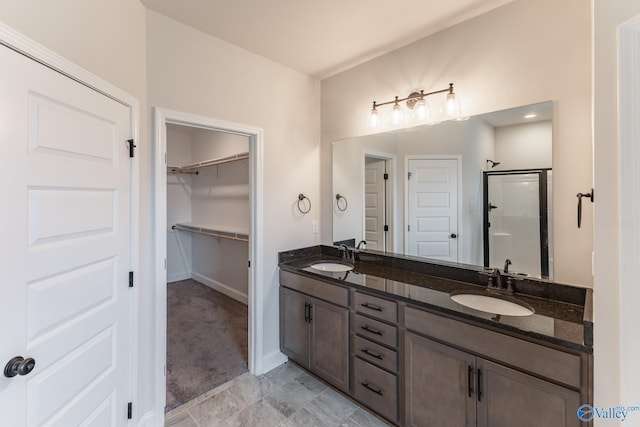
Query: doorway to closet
[208, 217]
[208, 236]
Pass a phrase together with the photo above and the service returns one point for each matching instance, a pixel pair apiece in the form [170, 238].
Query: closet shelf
[213, 231]
[212, 162]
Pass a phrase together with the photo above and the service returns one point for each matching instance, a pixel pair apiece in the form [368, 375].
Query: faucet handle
[510, 282]
[490, 273]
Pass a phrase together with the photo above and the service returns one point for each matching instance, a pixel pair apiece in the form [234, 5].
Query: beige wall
[522, 53]
[191, 72]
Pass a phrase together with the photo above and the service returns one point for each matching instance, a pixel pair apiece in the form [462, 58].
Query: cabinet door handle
[470, 379]
[375, 390]
[479, 386]
[371, 330]
[371, 353]
[371, 306]
[307, 312]
[310, 313]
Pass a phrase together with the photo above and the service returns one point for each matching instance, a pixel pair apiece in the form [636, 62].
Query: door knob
[453, 235]
[19, 366]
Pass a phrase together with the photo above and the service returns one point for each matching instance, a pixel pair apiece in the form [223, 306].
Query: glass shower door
[516, 221]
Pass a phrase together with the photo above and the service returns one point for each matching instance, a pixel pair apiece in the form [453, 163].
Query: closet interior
[208, 217]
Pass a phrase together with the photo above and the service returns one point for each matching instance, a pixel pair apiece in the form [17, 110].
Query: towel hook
[301, 197]
[346, 203]
[580, 197]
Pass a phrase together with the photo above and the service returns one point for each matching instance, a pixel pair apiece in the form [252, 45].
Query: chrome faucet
[495, 280]
[507, 263]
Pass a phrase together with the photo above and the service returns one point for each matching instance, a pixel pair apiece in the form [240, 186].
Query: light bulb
[453, 105]
[422, 111]
[374, 119]
[396, 114]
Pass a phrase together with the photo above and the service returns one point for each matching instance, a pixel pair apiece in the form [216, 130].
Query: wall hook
[580, 197]
[301, 197]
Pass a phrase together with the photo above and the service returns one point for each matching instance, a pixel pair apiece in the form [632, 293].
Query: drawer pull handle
[371, 330]
[371, 306]
[469, 379]
[371, 353]
[368, 387]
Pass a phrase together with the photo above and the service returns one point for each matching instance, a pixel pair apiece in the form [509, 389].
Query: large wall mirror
[475, 191]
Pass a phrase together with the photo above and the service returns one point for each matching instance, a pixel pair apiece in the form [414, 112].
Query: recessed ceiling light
[531, 116]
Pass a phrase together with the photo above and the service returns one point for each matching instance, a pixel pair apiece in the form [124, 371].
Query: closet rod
[211, 162]
[213, 233]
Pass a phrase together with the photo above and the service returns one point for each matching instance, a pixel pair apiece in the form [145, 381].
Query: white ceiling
[322, 37]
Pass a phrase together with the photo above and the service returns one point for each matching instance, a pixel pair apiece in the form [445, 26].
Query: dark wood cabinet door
[511, 398]
[294, 330]
[439, 384]
[330, 343]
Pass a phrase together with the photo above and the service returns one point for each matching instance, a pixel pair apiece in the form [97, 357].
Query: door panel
[433, 208]
[65, 248]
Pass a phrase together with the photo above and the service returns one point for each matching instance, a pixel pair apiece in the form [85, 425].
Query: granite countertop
[562, 312]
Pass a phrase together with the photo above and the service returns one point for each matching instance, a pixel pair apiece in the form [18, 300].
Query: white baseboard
[176, 277]
[222, 288]
[272, 360]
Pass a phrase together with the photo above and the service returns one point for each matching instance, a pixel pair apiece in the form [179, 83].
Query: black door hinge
[131, 147]
[386, 228]
[249, 262]
[131, 279]
[130, 410]
[408, 175]
[386, 176]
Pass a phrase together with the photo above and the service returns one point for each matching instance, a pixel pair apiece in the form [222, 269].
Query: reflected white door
[374, 203]
[432, 231]
[64, 248]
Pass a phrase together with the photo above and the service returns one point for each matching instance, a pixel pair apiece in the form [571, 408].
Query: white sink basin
[492, 304]
[334, 267]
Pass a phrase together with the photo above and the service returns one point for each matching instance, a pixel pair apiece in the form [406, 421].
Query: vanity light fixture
[420, 111]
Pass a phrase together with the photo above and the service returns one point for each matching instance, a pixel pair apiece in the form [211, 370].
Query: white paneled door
[375, 197]
[432, 229]
[64, 249]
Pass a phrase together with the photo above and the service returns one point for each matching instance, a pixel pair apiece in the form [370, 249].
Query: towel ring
[301, 197]
[346, 203]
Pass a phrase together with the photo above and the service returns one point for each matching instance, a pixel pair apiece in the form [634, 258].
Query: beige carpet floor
[206, 340]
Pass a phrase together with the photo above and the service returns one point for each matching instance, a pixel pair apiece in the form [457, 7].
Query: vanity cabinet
[314, 327]
[449, 386]
[375, 353]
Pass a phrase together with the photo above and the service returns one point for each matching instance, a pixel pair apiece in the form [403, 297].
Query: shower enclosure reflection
[517, 223]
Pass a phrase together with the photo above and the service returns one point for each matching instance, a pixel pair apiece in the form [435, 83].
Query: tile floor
[284, 397]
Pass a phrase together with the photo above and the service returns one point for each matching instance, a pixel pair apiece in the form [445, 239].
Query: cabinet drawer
[376, 388]
[375, 330]
[322, 290]
[524, 355]
[376, 354]
[376, 307]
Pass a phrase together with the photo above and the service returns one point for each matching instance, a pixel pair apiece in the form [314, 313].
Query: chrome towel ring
[346, 203]
[302, 197]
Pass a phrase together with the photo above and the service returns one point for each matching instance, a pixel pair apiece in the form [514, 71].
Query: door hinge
[130, 410]
[408, 228]
[249, 263]
[408, 175]
[131, 279]
[131, 147]
[386, 228]
[385, 176]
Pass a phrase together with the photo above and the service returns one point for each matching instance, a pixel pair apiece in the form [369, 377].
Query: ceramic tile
[283, 374]
[367, 419]
[331, 407]
[290, 397]
[311, 383]
[183, 419]
[250, 390]
[215, 409]
[303, 418]
[259, 414]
